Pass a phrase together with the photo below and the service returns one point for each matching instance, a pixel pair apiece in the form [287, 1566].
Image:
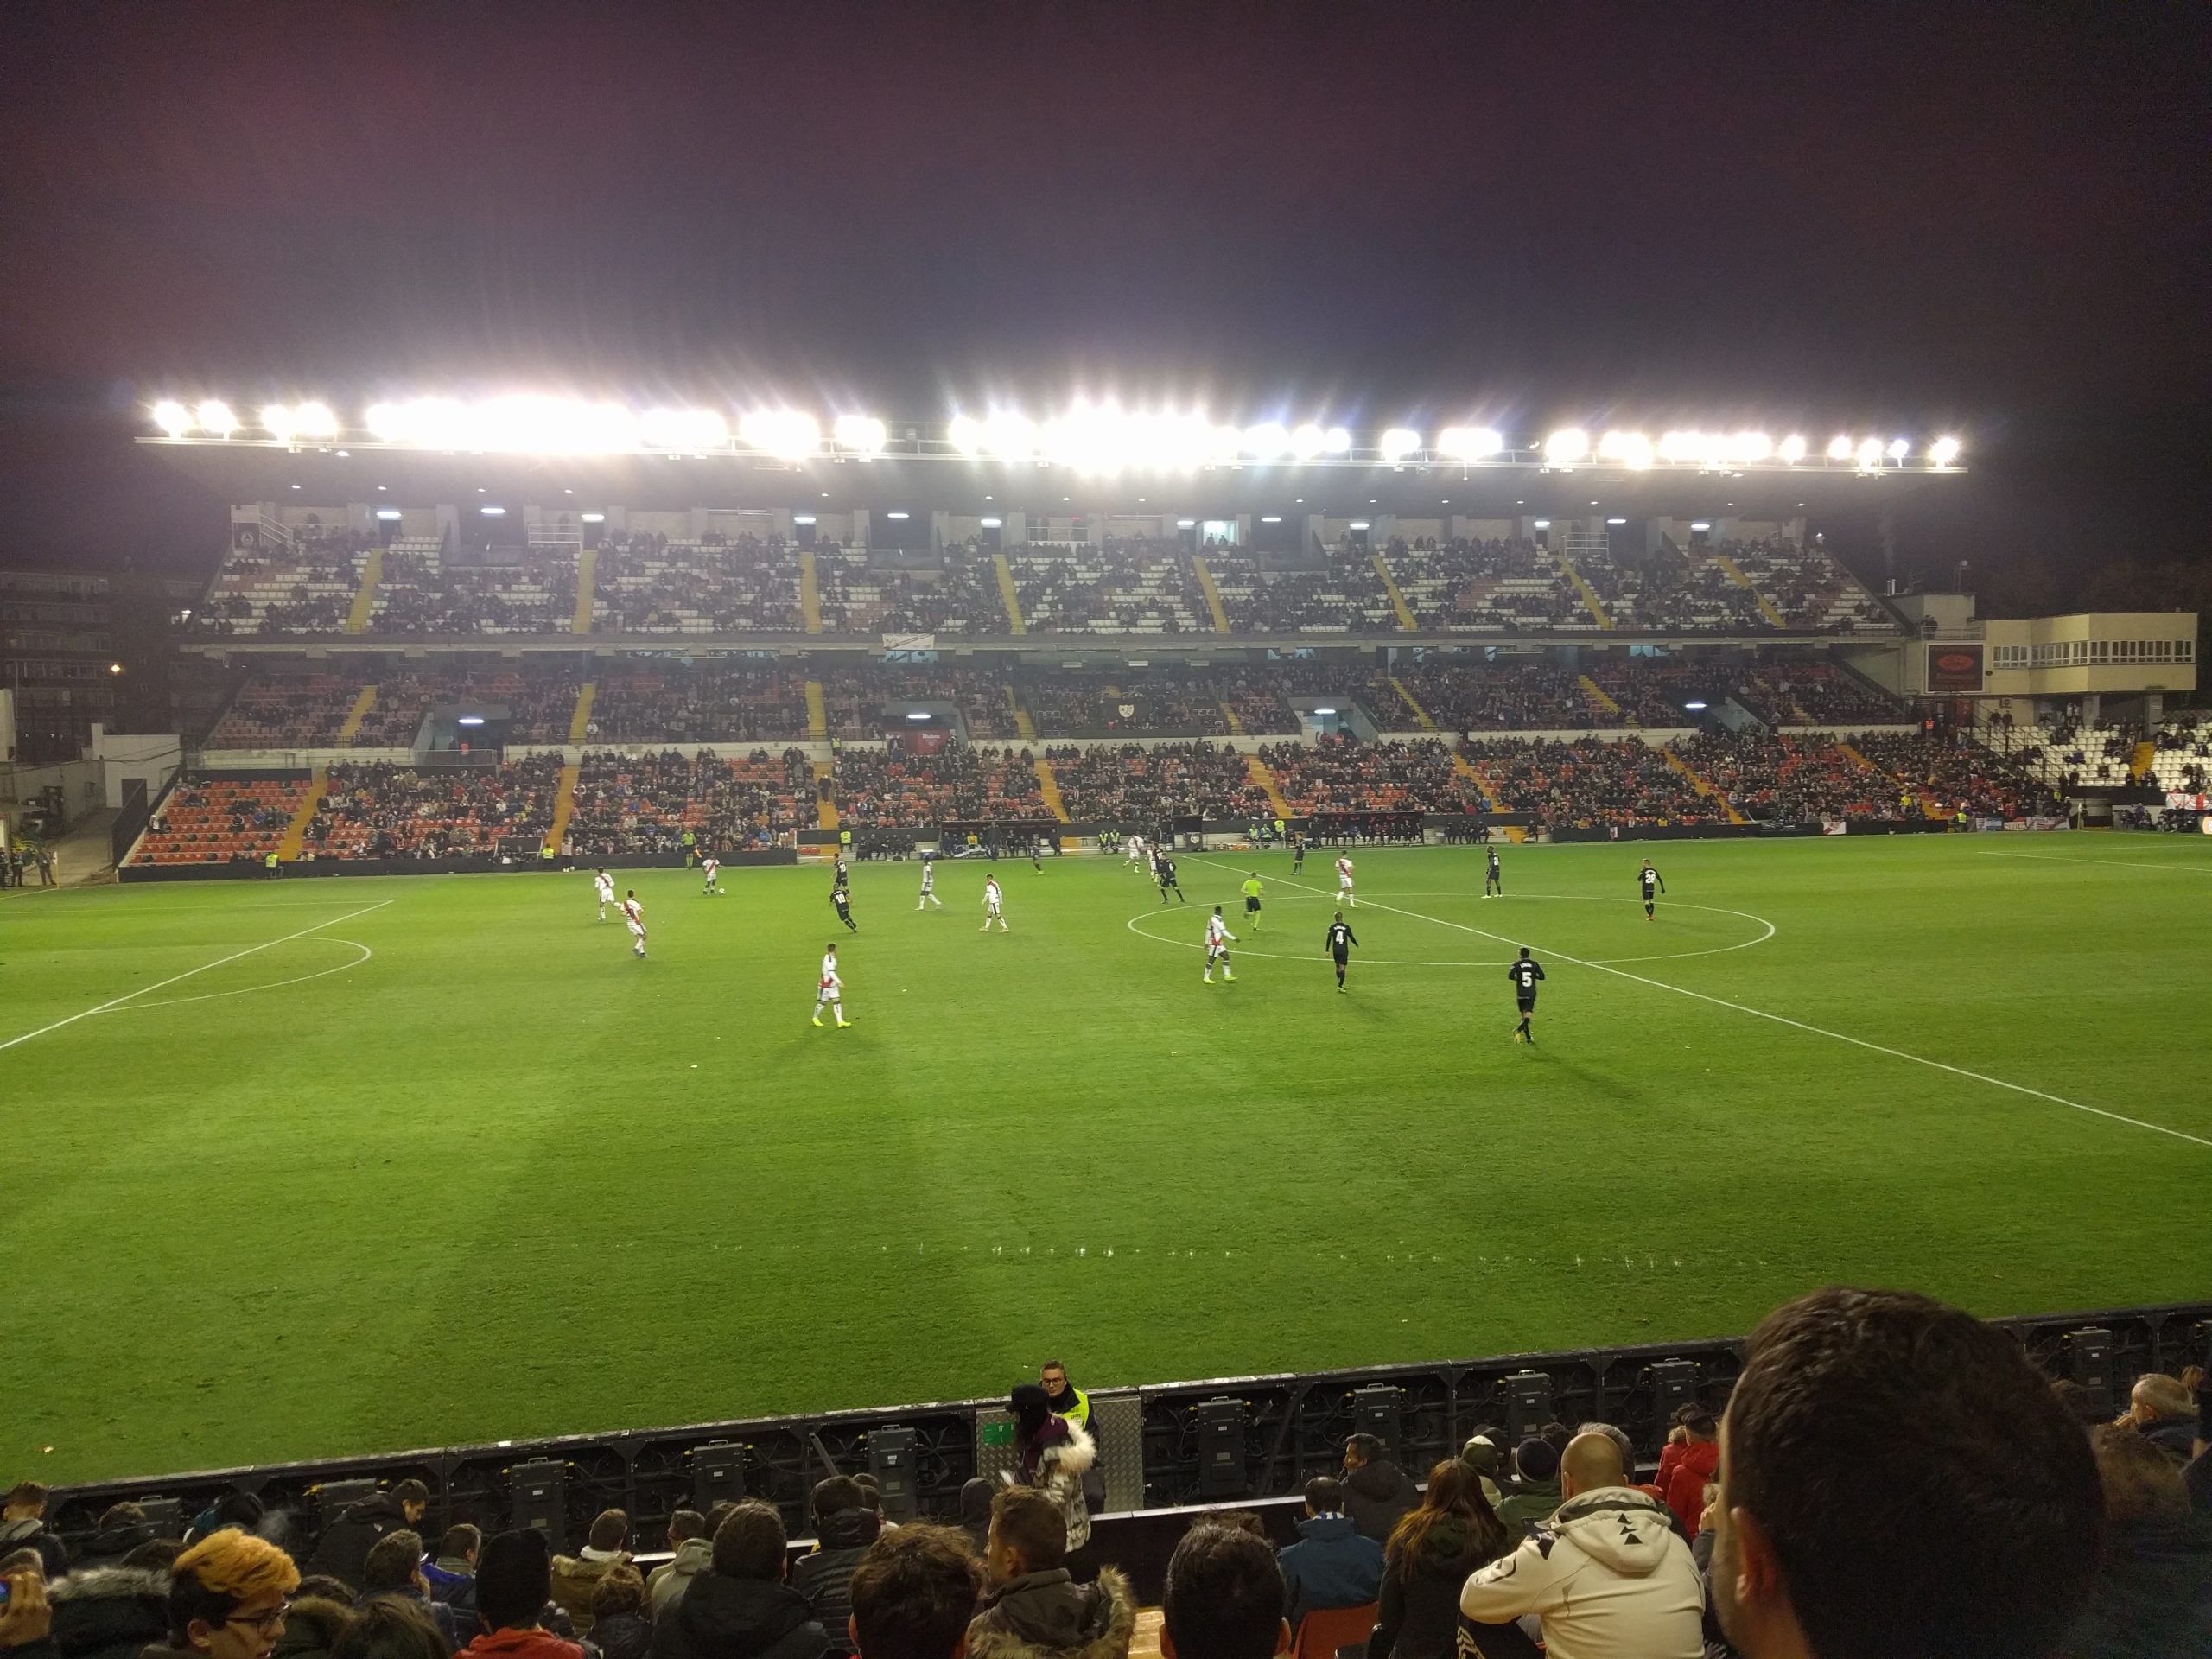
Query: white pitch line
[2121, 863]
[1784, 1019]
[235, 956]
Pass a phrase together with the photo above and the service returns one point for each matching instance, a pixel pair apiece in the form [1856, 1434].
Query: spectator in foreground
[22, 1526]
[346, 1543]
[106, 1611]
[1376, 1492]
[575, 1577]
[2153, 1593]
[1536, 1491]
[514, 1586]
[391, 1627]
[453, 1576]
[122, 1528]
[975, 1514]
[619, 1629]
[913, 1595]
[1435, 1547]
[741, 1608]
[1055, 1454]
[1606, 1575]
[694, 1554]
[1333, 1564]
[394, 1569]
[844, 1526]
[1222, 1597]
[25, 1618]
[317, 1615]
[1687, 1462]
[1480, 1454]
[2163, 1409]
[1897, 1479]
[1033, 1609]
[227, 1595]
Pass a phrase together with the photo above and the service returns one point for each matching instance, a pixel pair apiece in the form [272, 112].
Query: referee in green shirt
[1251, 891]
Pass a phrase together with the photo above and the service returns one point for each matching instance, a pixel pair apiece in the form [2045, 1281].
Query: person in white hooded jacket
[1608, 1575]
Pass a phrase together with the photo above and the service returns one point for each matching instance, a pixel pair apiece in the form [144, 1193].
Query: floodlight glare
[1467, 442]
[1617, 521]
[802, 517]
[1320, 711]
[1010, 434]
[863, 433]
[1899, 448]
[214, 415]
[895, 515]
[1943, 451]
[1272, 518]
[1700, 524]
[492, 512]
[468, 720]
[1359, 523]
[172, 417]
[1568, 443]
[1540, 523]
[1870, 452]
[1632, 449]
[1308, 441]
[1840, 448]
[1399, 442]
[1682, 445]
[787, 434]
[683, 429]
[1338, 440]
[919, 714]
[1752, 446]
[1695, 708]
[314, 420]
[1268, 440]
[277, 421]
[389, 515]
[593, 517]
[1792, 449]
[992, 524]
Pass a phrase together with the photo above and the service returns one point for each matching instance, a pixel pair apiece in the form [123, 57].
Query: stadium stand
[222, 821]
[1808, 588]
[1346, 595]
[1482, 586]
[285, 711]
[1772, 777]
[1813, 694]
[961, 784]
[1149, 783]
[421, 593]
[1530, 696]
[687, 703]
[1588, 782]
[631, 806]
[854, 699]
[648, 584]
[2070, 754]
[860, 597]
[1950, 772]
[1116, 587]
[1344, 775]
[305, 586]
[386, 811]
[2183, 760]
[1089, 705]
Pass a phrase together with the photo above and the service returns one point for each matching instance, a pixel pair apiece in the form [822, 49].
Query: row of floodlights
[1092, 438]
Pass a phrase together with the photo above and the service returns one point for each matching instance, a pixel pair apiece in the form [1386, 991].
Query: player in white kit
[831, 993]
[994, 901]
[634, 913]
[1219, 940]
[1136, 850]
[712, 866]
[929, 884]
[603, 885]
[1344, 881]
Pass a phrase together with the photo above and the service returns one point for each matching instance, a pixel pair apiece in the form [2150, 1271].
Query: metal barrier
[1231, 1438]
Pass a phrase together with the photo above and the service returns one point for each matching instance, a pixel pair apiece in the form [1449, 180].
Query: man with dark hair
[575, 1577]
[1223, 1598]
[913, 1594]
[1034, 1609]
[2153, 1594]
[122, 1528]
[514, 1586]
[394, 1567]
[1330, 1565]
[22, 1526]
[347, 1540]
[689, 1537]
[1898, 1480]
[845, 1524]
[741, 1608]
[1377, 1491]
[453, 1575]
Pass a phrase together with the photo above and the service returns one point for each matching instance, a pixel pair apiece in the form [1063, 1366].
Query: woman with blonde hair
[1431, 1552]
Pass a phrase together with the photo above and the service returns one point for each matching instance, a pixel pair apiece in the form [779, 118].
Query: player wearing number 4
[1219, 940]
[1341, 940]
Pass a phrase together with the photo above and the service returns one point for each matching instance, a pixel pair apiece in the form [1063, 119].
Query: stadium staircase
[1598, 698]
[586, 578]
[1420, 714]
[295, 833]
[1698, 783]
[2145, 752]
[826, 803]
[1211, 590]
[365, 602]
[360, 712]
[1236, 725]
[1466, 769]
[817, 712]
[564, 807]
[809, 590]
[1735, 573]
[579, 720]
[1397, 600]
[1776, 700]
[1049, 787]
[1008, 597]
[1256, 769]
[1566, 561]
[1024, 727]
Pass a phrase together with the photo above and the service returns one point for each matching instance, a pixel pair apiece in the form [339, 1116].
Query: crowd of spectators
[1952, 772]
[960, 783]
[1587, 782]
[1151, 783]
[421, 593]
[1341, 774]
[858, 596]
[1476, 586]
[638, 805]
[380, 811]
[1505, 697]
[1159, 704]
[854, 699]
[307, 587]
[1774, 776]
[701, 703]
[1814, 694]
[1133, 586]
[645, 583]
[1344, 594]
[1808, 588]
[221, 821]
[285, 711]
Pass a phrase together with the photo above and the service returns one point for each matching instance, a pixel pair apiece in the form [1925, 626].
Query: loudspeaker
[1674, 1385]
[718, 1473]
[891, 1460]
[541, 1496]
[2089, 1351]
[1378, 1411]
[1527, 1403]
[1221, 1448]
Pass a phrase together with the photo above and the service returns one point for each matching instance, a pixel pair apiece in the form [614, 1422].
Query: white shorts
[636, 931]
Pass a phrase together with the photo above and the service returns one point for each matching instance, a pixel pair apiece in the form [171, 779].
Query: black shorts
[1340, 957]
[1528, 1004]
[1251, 907]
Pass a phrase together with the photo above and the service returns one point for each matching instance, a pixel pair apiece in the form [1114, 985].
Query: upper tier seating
[648, 584]
[305, 588]
[1124, 587]
[1345, 596]
[860, 598]
[705, 702]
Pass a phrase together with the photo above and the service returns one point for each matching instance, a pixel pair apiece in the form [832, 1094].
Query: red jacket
[1683, 1471]
[522, 1644]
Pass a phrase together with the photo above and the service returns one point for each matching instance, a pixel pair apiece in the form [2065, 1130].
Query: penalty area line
[1784, 1019]
[235, 956]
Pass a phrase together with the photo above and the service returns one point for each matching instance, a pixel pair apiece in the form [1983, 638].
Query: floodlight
[1568, 443]
[1339, 439]
[1633, 450]
[1870, 452]
[1399, 442]
[214, 415]
[1792, 449]
[1010, 434]
[172, 417]
[965, 433]
[1943, 451]
[277, 421]
[1467, 442]
[315, 420]
[1267, 440]
[1899, 448]
[1840, 448]
[1308, 441]
[390, 515]
[1752, 446]
[786, 434]
[683, 429]
[863, 433]
[387, 422]
[1682, 445]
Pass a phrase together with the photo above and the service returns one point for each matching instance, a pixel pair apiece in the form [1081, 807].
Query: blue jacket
[1331, 1566]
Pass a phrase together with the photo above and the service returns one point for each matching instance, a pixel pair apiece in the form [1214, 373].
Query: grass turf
[489, 1177]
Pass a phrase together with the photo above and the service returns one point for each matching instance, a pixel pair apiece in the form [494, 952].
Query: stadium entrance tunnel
[1443, 930]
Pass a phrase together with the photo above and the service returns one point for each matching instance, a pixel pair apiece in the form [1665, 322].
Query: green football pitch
[306, 1168]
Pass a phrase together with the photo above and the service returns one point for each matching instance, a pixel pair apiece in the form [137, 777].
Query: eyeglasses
[269, 1624]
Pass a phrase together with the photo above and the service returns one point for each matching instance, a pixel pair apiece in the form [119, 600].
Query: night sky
[1991, 221]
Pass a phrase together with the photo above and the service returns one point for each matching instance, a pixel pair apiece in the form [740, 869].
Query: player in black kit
[1494, 878]
[842, 898]
[1341, 940]
[1298, 854]
[1167, 868]
[1648, 879]
[1524, 974]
